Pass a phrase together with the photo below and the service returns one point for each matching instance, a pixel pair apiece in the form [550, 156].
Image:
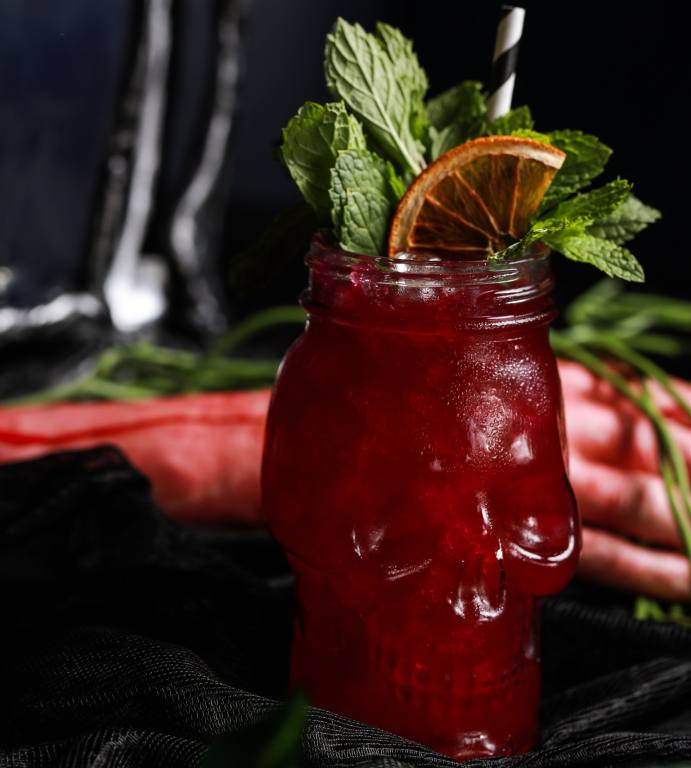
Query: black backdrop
[620, 70]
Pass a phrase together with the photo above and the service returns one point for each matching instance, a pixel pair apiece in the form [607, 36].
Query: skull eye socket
[396, 551]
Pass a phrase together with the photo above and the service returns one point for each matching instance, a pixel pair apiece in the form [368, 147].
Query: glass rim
[325, 256]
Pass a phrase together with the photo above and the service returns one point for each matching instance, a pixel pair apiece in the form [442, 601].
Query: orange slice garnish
[475, 199]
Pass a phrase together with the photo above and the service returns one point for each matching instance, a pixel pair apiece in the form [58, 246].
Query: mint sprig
[514, 120]
[614, 260]
[578, 226]
[471, 119]
[586, 158]
[353, 159]
[626, 221]
[464, 103]
[380, 80]
[311, 143]
[598, 203]
[412, 76]
[455, 116]
[364, 190]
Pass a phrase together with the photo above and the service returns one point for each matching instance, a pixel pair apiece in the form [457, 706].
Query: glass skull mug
[414, 472]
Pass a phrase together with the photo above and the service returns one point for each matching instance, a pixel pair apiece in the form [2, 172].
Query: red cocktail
[414, 473]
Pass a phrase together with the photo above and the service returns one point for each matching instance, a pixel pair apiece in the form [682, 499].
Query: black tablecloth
[130, 641]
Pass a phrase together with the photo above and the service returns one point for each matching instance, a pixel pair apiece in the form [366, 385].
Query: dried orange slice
[475, 199]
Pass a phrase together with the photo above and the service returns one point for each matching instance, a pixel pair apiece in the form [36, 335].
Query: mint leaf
[612, 259]
[404, 59]
[586, 157]
[566, 232]
[459, 114]
[396, 185]
[448, 138]
[518, 119]
[311, 141]
[514, 251]
[455, 116]
[570, 218]
[381, 91]
[400, 50]
[365, 218]
[596, 204]
[464, 103]
[362, 201]
[538, 231]
[529, 133]
[627, 220]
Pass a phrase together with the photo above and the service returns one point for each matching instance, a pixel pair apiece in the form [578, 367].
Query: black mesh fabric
[129, 641]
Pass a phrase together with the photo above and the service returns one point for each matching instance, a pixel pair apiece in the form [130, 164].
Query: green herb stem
[89, 388]
[658, 344]
[143, 370]
[268, 318]
[642, 364]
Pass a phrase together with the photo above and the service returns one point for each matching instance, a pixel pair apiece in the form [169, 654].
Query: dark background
[619, 70]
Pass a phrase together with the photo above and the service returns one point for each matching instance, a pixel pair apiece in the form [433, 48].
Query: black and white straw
[504, 61]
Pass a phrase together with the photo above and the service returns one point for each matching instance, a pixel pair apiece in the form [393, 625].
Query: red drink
[414, 473]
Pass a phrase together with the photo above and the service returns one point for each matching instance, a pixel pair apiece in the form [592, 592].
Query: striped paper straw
[504, 61]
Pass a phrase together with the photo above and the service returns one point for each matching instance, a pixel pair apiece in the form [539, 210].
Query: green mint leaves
[514, 121]
[464, 103]
[591, 226]
[412, 76]
[354, 158]
[311, 142]
[455, 116]
[586, 157]
[364, 190]
[624, 222]
[460, 114]
[600, 221]
[381, 87]
[596, 204]
[379, 79]
[614, 260]
[346, 185]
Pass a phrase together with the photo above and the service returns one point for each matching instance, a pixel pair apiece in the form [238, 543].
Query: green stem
[157, 371]
[567, 347]
[644, 365]
[284, 315]
[145, 354]
[226, 374]
[681, 520]
[85, 389]
[673, 455]
[657, 344]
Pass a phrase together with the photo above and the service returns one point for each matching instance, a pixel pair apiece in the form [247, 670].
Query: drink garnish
[380, 141]
[476, 199]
